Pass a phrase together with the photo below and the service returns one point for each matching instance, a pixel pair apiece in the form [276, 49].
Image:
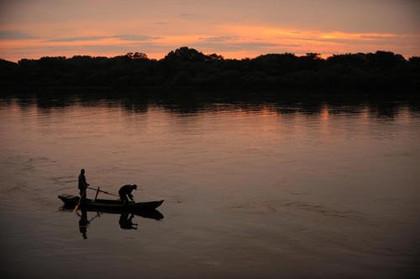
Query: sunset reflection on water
[332, 186]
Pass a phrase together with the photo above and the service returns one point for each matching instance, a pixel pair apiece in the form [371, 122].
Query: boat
[112, 206]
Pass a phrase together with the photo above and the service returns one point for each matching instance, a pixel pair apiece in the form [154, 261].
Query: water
[265, 190]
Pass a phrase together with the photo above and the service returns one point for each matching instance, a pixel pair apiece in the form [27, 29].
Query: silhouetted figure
[82, 185]
[125, 193]
[126, 221]
[83, 223]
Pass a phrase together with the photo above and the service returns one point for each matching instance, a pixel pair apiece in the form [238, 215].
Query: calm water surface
[251, 191]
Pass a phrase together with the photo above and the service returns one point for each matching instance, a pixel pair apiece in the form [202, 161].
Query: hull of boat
[108, 205]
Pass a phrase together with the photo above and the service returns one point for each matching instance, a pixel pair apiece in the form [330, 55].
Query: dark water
[268, 190]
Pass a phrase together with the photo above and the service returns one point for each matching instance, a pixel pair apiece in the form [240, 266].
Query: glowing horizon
[234, 29]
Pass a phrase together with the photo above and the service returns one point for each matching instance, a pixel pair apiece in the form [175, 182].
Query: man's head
[82, 171]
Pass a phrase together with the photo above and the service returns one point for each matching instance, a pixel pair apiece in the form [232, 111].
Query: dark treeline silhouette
[189, 68]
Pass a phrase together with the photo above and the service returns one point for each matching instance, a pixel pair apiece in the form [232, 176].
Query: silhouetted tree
[188, 67]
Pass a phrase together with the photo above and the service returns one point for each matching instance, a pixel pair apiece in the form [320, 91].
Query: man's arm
[85, 182]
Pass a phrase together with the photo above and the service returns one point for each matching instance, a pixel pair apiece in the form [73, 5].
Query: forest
[189, 68]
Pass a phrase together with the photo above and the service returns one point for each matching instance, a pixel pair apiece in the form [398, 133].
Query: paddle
[97, 191]
[102, 191]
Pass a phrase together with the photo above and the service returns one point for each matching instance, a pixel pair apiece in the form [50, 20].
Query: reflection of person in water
[84, 222]
[126, 221]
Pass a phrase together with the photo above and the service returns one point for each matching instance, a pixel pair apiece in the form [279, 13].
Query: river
[251, 190]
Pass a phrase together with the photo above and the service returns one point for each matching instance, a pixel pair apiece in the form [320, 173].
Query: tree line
[189, 68]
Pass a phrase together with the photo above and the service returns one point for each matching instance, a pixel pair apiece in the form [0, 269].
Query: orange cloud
[229, 40]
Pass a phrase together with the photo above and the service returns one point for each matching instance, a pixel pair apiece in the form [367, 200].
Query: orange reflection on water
[324, 115]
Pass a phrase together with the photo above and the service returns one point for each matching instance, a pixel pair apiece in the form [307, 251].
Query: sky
[232, 28]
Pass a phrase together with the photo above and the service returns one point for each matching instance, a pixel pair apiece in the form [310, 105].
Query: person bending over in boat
[125, 193]
[82, 185]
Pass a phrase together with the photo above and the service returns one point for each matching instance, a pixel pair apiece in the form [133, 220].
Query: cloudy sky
[233, 28]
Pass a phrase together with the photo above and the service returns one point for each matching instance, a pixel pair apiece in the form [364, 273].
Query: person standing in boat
[82, 185]
[126, 191]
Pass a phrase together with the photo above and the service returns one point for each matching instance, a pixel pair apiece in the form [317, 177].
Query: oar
[102, 191]
[97, 190]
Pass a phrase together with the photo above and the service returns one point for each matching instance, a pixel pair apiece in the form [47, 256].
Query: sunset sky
[234, 29]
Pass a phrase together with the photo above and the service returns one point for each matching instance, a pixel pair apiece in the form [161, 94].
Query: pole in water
[97, 192]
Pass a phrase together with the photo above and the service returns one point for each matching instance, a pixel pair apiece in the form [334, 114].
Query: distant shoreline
[187, 69]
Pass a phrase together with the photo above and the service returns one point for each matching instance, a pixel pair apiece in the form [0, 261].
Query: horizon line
[162, 56]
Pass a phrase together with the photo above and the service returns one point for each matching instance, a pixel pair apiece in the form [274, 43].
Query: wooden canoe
[108, 205]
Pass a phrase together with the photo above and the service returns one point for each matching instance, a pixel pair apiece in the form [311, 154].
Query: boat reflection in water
[125, 221]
